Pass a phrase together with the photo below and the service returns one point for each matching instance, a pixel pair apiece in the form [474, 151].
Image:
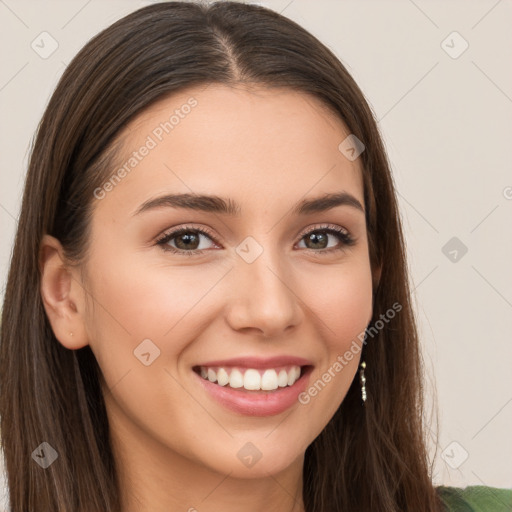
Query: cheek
[146, 313]
[351, 310]
[133, 301]
[341, 298]
[343, 309]
[150, 299]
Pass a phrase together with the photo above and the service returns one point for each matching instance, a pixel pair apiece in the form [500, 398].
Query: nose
[263, 299]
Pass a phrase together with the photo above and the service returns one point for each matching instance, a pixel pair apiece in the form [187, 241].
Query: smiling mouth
[252, 379]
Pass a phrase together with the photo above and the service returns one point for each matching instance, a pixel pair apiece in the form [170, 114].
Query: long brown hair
[368, 458]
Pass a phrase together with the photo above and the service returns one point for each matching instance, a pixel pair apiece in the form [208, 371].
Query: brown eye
[187, 241]
[318, 239]
[184, 241]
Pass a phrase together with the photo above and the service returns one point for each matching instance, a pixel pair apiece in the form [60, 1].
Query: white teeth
[252, 379]
[293, 375]
[222, 377]
[236, 379]
[269, 380]
[282, 379]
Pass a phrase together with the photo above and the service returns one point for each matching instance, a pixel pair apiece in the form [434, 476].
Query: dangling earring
[362, 380]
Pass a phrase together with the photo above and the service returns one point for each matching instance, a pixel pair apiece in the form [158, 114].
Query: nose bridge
[263, 297]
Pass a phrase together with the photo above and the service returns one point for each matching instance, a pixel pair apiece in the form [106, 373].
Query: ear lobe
[62, 295]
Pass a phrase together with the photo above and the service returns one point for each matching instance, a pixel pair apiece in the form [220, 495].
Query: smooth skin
[267, 150]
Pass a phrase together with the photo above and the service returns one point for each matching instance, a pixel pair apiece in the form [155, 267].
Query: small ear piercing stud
[71, 334]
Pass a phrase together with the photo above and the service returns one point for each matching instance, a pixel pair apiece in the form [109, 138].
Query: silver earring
[362, 380]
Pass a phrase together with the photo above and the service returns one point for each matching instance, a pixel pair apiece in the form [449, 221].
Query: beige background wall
[446, 116]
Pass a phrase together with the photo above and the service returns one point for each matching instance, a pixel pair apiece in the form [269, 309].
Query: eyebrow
[216, 204]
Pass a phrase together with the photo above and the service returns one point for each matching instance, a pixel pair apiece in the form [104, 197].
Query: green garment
[476, 498]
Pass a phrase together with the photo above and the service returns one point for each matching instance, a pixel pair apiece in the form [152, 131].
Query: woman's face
[263, 290]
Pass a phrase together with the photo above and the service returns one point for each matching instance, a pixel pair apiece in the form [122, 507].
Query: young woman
[207, 307]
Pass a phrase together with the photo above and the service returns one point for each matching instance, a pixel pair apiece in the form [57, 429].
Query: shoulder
[476, 498]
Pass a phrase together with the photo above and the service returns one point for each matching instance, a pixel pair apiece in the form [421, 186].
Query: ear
[62, 294]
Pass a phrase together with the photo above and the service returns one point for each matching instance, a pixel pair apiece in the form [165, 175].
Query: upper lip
[259, 362]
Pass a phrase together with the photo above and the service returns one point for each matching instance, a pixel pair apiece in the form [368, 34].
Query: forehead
[245, 143]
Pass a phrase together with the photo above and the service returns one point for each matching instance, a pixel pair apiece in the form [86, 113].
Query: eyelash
[346, 239]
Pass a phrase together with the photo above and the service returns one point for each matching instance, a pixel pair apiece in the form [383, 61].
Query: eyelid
[322, 226]
[176, 231]
[186, 227]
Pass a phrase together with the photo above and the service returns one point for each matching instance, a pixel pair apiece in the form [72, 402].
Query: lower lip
[257, 403]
